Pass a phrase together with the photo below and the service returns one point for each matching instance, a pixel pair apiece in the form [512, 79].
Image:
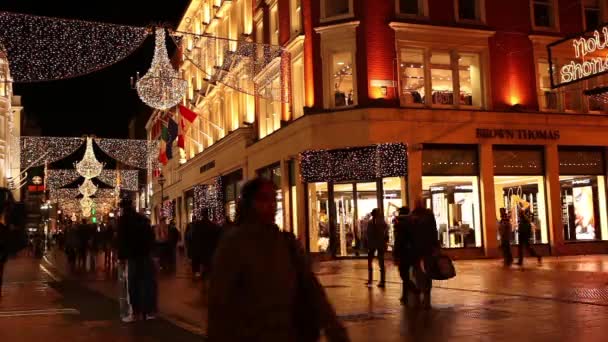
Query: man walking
[377, 239]
[524, 233]
[402, 252]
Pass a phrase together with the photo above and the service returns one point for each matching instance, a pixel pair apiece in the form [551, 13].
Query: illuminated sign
[587, 59]
[464, 187]
[526, 134]
[437, 188]
[581, 181]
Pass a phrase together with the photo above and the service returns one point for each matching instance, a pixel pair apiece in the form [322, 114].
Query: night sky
[100, 103]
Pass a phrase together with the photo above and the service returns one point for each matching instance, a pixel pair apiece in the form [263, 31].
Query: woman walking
[263, 281]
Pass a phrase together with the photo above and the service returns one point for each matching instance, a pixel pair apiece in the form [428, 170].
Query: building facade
[10, 130]
[445, 100]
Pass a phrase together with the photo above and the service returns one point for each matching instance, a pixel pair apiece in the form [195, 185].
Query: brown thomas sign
[527, 134]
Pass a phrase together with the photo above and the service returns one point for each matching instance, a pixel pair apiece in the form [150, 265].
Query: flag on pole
[162, 155]
[164, 134]
[180, 134]
[187, 113]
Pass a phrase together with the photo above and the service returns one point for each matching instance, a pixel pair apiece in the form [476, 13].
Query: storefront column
[414, 175]
[286, 198]
[554, 199]
[301, 198]
[488, 203]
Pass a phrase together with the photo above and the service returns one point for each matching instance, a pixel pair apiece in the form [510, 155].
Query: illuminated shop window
[273, 173]
[295, 7]
[519, 188]
[547, 96]
[394, 197]
[455, 78]
[342, 79]
[297, 86]
[450, 185]
[270, 110]
[318, 217]
[583, 194]
[565, 99]
[274, 25]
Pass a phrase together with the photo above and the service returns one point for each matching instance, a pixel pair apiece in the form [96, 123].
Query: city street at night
[564, 299]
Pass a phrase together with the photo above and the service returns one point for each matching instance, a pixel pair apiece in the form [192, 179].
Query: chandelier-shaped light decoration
[161, 87]
[89, 167]
[87, 189]
[86, 203]
[86, 212]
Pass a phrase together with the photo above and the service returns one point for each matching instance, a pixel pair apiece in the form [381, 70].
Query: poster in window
[584, 213]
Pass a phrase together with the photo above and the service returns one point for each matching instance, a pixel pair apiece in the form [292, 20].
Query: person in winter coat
[377, 240]
[259, 280]
[135, 248]
[402, 252]
[6, 241]
[504, 229]
[425, 244]
[524, 233]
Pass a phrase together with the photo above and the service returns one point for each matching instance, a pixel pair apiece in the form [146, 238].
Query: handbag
[306, 310]
[439, 267]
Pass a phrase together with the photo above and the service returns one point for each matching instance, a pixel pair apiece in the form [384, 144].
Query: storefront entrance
[353, 203]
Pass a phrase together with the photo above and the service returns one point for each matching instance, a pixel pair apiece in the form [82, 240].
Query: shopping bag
[439, 267]
[123, 284]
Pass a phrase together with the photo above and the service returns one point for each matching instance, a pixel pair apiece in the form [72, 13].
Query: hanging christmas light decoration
[36, 151]
[58, 178]
[128, 179]
[86, 202]
[161, 87]
[45, 48]
[89, 167]
[141, 154]
[87, 189]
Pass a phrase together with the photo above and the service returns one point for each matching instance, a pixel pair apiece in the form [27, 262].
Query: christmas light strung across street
[36, 151]
[89, 167]
[141, 154]
[87, 189]
[161, 87]
[58, 178]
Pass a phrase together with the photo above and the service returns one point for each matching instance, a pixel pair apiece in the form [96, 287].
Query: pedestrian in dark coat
[377, 240]
[504, 229]
[425, 244]
[524, 233]
[6, 240]
[403, 252]
[135, 247]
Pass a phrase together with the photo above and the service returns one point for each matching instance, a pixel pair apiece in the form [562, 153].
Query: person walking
[524, 233]
[263, 281]
[425, 244]
[377, 239]
[208, 239]
[402, 252]
[10, 240]
[135, 246]
[161, 232]
[173, 239]
[504, 229]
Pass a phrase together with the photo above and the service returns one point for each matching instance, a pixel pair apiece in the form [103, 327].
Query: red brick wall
[375, 50]
[312, 54]
[570, 16]
[442, 11]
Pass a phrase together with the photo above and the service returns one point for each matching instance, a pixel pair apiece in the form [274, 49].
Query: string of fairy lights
[133, 152]
[36, 151]
[45, 48]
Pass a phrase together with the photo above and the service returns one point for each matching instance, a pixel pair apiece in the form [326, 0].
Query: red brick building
[448, 100]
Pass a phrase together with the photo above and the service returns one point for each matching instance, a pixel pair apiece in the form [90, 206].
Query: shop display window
[455, 202]
[584, 207]
[469, 72]
[412, 74]
[393, 191]
[273, 173]
[442, 83]
[342, 79]
[318, 217]
[519, 195]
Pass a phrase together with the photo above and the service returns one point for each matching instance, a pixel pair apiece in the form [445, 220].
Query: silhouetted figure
[377, 239]
[173, 240]
[403, 253]
[524, 233]
[504, 229]
[135, 247]
[425, 244]
[262, 280]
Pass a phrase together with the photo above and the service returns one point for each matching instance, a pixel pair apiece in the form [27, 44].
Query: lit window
[270, 110]
[592, 14]
[548, 97]
[410, 7]
[296, 16]
[336, 9]
[342, 79]
[412, 74]
[259, 38]
[469, 76]
[442, 79]
[469, 10]
[543, 12]
[297, 85]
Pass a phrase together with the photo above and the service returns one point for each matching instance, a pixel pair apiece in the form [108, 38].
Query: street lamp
[161, 182]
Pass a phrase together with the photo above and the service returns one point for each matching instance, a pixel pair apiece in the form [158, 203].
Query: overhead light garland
[45, 48]
[89, 167]
[161, 87]
[209, 198]
[58, 178]
[141, 154]
[244, 66]
[355, 163]
[129, 179]
[87, 189]
[36, 151]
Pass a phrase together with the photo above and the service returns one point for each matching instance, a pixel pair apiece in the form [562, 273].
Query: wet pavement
[39, 305]
[564, 299]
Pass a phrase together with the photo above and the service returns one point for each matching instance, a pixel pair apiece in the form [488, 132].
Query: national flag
[180, 134]
[162, 154]
[164, 133]
[172, 130]
[187, 113]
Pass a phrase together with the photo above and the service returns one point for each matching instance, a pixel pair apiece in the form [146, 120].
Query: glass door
[344, 199]
[367, 200]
